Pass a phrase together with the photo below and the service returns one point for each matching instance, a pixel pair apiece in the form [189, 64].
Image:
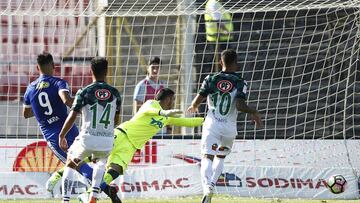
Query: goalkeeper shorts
[123, 150]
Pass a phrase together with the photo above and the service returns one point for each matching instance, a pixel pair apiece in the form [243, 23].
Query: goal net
[300, 58]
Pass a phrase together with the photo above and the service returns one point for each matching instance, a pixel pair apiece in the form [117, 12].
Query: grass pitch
[196, 199]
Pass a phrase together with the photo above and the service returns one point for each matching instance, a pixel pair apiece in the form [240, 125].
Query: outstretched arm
[117, 119]
[243, 107]
[194, 107]
[186, 122]
[161, 112]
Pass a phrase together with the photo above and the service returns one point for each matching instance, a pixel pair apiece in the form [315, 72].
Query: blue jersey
[42, 95]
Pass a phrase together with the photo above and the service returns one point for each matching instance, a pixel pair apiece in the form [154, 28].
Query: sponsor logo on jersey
[158, 123]
[102, 94]
[224, 85]
[42, 85]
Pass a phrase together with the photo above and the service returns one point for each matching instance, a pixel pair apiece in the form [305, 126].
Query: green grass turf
[196, 199]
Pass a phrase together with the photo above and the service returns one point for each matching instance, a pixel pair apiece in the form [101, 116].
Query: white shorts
[77, 151]
[211, 141]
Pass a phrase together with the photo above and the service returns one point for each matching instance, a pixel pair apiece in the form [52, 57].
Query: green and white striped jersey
[98, 104]
[222, 89]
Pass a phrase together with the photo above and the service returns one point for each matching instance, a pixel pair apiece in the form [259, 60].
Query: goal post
[300, 58]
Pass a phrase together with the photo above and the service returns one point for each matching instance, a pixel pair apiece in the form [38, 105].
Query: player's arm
[27, 112]
[64, 93]
[117, 118]
[186, 122]
[194, 107]
[161, 112]
[66, 98]
[203, 93]
[69, 122]
[241, 94]
[243, 107]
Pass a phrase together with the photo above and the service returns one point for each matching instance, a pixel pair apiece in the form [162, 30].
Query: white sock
[98, 174]
[206, 171]
[218, 166]
[67, 183]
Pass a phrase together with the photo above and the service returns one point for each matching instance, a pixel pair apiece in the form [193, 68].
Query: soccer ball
[336, 184]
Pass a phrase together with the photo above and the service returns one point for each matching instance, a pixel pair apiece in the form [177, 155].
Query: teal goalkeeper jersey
[147, 122]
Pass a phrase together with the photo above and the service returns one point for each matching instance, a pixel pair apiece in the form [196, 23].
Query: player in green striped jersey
[226, 94]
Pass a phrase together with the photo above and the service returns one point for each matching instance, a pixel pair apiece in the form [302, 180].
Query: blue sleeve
[27, 101]
[139, 92]
[63, 85]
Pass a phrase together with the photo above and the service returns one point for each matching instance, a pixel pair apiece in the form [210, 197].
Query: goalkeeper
[133, 134]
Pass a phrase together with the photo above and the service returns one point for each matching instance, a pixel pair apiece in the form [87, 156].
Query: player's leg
[98, 173]
[206, 171]
[109, 190]
[114, 171]
[53, 144]
[75, 154]
[68, 180]
[84, 169]
[54, 178]
[121, 153]
[61, 155]
[222, 151]
[120, 157]
[209, 145]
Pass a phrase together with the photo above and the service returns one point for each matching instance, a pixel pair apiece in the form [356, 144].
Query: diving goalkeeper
[133, 134]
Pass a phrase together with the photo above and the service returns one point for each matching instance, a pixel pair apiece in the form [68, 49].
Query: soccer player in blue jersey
[47, 99]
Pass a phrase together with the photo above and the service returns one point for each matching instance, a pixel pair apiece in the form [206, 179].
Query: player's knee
[72, 164]
[223, 151]
[214, 147]
[117, 168]
[114, 174]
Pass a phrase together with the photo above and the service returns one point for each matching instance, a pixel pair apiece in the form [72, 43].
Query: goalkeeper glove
[170, 113]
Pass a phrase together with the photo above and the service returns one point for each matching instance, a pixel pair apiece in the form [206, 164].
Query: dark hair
[163, 93]
[155, 60]
[99, 66]
[45, 58]
[229, 57]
